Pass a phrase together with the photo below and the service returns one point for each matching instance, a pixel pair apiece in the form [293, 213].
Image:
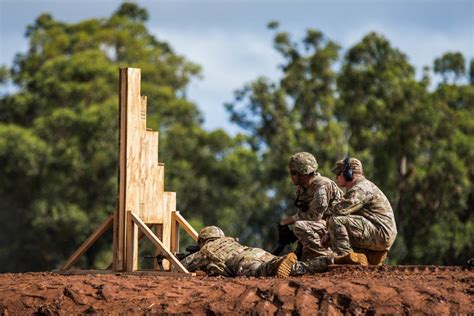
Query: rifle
[285, 238]
[159, 258]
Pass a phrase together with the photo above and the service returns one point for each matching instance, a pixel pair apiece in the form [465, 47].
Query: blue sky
[229, 38]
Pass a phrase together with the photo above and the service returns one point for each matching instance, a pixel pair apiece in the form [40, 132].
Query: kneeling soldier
[363, 222]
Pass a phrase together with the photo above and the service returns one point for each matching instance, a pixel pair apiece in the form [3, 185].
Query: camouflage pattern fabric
[303, 163]
[314, 204]
[354, 163]
[314, 265]
[254, 262]
[210, 232]
[365, 220]
[216, 252]
[309, 233]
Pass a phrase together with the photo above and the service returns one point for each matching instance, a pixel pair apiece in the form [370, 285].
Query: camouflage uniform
[225, 256]
[363, 219]
[313, 204]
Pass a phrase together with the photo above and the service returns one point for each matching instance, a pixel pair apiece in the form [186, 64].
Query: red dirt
[343, 290]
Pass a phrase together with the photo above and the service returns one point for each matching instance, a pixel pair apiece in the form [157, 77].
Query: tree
[58, 139]
[414, 143]
[450, 65]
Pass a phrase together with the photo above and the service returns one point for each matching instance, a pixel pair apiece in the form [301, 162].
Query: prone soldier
[221, 255]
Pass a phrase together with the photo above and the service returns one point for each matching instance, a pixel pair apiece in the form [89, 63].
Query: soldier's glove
[286, 235]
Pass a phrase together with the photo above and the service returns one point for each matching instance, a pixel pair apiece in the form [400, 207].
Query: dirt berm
[343, 290]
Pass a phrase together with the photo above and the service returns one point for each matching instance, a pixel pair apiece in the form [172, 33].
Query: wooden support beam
[158, 243]
[184, 223]
[132, 244]
[174, 233]
[88, 243]
[130, 105]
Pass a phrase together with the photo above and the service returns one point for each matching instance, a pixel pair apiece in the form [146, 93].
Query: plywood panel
[153, 194]
[129, 154]
[169, 205]
[151, 177]
[143, 115]
[134, 147]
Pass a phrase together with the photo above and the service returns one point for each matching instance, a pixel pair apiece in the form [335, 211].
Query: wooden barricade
[142, 200]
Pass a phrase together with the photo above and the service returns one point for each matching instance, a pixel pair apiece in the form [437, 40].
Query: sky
[231, 42]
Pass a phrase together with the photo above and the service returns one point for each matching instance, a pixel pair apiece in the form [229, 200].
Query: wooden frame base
[137, 229]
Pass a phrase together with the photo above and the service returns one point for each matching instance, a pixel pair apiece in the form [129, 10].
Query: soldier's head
[347, 171]
[209, 233]
[302, 166]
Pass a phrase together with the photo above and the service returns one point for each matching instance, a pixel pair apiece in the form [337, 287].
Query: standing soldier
[314, 196]
[220, 255]
[363, 220]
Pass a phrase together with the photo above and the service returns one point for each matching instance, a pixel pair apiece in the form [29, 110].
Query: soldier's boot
[284, 265]
[352, 258]
[376, 257]
[315, 265]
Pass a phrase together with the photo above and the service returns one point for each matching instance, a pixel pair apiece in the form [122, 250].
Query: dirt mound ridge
[343, 290]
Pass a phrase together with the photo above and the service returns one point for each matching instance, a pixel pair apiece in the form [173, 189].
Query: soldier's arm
[317, 207]
[352, 202]
[297, 216]
[195, 261]
[320, 203]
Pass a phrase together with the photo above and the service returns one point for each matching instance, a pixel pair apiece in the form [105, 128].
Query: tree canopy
[58, 138]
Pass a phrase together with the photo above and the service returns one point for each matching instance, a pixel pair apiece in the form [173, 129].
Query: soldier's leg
[257, 262]
[354, 231]
[340, 242]
[315, 265]
[309, 233]
[252, 262]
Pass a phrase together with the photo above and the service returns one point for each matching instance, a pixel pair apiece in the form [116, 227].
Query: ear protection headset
[347, 172]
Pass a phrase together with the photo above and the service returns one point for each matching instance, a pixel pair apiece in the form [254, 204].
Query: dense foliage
[58, 138]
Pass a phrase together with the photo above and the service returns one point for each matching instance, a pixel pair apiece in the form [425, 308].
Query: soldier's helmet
[209, 233]
[303, 163]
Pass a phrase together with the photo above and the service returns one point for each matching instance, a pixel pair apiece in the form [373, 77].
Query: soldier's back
[222, 249]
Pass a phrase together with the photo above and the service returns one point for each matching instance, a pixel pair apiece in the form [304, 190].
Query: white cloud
[232, 58]
[421, 46]
[229, 60]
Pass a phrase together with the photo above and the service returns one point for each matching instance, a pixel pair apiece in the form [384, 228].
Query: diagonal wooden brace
[156, 241]
[88, 242]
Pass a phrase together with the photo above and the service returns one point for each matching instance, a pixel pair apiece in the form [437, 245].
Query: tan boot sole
[285, 266]
[352, 258]
[376, 257]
